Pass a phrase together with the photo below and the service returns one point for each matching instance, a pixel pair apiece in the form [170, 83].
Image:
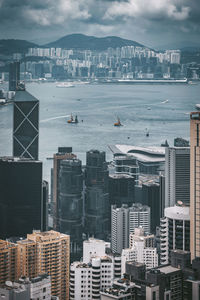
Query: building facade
[25, 125]
[124, 220]
[194, 184]
[63, 153]
[14, 75]
[21, 201]
[96, 195]
[70, 204]
[46, 252]
[174, 231]
[177, 175]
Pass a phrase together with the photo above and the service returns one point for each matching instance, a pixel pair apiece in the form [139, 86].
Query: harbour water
[162, 110]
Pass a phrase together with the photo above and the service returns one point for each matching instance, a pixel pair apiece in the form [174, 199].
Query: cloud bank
[135, 19]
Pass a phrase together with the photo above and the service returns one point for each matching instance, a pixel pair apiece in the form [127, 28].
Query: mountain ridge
[84, 42]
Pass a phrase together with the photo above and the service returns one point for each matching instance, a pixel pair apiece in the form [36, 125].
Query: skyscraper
[8, 261]
[63, 153]
[177, 175]
[14, 75]
[21, 202]
[25, 125]
[195, 184]
[96, 195]
[70, 204]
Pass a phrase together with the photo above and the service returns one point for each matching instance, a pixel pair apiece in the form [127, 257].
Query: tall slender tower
[25, 125]
[63, 153]
[195, 184]
[96, 195]
[14, 75]
[70, 204]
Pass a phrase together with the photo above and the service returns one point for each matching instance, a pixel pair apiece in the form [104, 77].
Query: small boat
[118, 123]
[73, 120]
[197, 106]
[147, 133]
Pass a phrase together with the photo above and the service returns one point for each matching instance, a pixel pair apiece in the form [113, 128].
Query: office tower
[177, 175]
[141, 250]
[46, 252]
[8, 263]
[121, 189]
[96, 195]
[151, 198]
[70, 204]
[14, 75]
[174, 231]
[21, 207]
[25, 125]
[97, 270]
[63, 153]
[194, 185]
[124, 220]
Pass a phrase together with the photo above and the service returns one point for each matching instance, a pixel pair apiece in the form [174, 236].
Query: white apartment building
[97, 271]
[124, 220]
[174, 231]
[141, 250]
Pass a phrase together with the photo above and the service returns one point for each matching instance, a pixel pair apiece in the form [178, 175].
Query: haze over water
[141, 108]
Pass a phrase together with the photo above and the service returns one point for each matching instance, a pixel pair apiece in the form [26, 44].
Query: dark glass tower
[25, 125]
[96, 195]
[14, 75]
[21, 207]
[70, 204]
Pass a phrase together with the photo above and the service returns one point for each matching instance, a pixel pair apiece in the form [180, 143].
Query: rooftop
[23, 96]
[144, 154]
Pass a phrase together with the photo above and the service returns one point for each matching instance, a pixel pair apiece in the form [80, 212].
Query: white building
[124, 220]
[177, 175]
[97, 270]
[174, 231]
[141, 250]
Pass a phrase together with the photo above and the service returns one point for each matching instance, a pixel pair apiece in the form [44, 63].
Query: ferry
[197, 106]
[64, 85]
[118, 123]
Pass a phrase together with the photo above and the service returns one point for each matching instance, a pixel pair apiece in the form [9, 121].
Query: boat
[147, 133]
[197, 106]
[64, 85]
[118, 123]
[73, 120]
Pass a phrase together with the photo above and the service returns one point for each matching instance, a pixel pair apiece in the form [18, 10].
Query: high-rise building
[177, 175]
[141, 250]
[97, 270]
[174, 231]
[194, 184]
[63, 153]
[8, 261]
[25, 125]
[70, 204]
[14, 75]
[96, 195]
[124, 220]
[46, 252]
[151, 197]
[21, 201]
[121, 189]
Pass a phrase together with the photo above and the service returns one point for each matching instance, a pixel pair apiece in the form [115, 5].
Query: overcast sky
[150, 22]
